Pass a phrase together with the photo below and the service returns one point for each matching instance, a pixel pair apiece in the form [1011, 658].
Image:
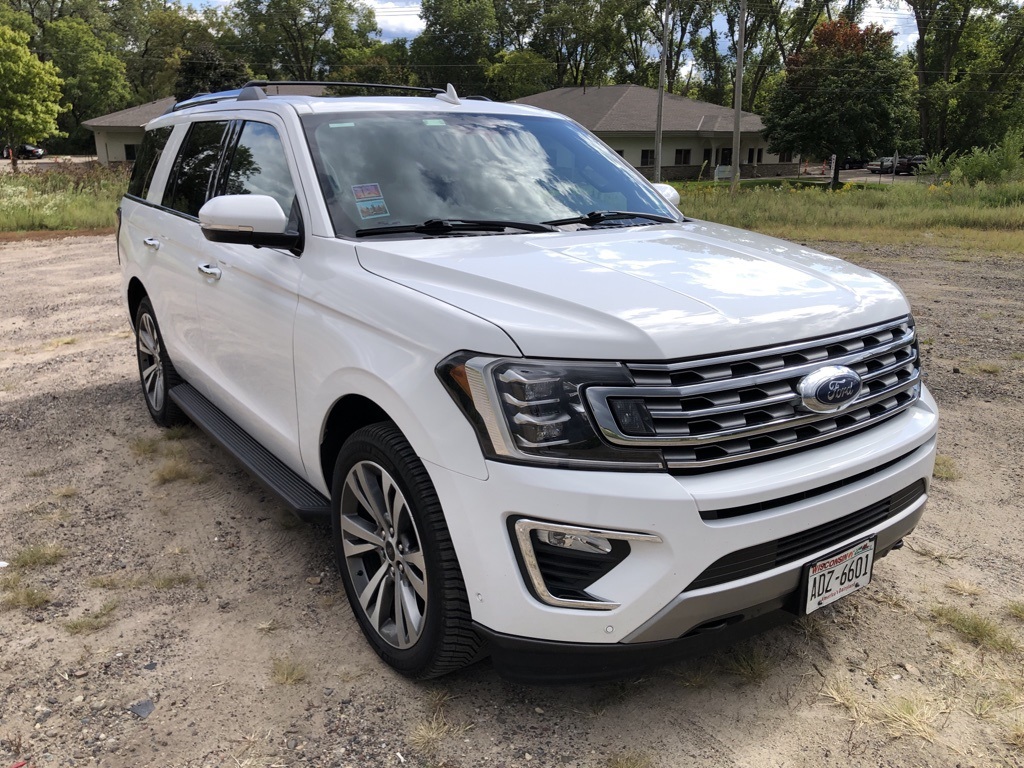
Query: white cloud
[396, 18]
[896, 19]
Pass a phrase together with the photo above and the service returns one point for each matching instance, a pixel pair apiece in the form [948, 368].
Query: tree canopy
[968, 63]
[30, 92]
[847, 94]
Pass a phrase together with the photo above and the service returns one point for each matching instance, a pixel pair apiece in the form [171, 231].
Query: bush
[1000, 164]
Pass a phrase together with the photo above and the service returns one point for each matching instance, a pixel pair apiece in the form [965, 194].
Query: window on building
[620, 152]
[129, 152]
[646, 157]
[682, 157]
[707, 156]
[760, 155]
[785, 157]
[750, 156]
[727, 156]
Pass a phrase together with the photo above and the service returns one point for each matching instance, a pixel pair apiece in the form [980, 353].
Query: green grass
[71, 196]
[987, 217]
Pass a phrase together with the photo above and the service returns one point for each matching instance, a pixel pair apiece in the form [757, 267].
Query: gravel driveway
[160, 609]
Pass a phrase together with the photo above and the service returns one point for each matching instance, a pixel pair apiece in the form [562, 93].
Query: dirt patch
[164, 611]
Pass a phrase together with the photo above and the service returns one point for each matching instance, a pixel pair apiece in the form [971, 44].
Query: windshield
[390, 169]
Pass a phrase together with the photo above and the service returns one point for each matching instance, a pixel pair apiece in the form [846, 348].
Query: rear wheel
[155, 369]
[396, 557]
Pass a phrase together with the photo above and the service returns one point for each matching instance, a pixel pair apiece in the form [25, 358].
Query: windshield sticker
[372, 209]
[367, 192]
[433, 121]
[341, 125]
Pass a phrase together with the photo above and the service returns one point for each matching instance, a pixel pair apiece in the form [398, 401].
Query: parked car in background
[910, 164]
[850, 163]
[25, 152]
[881, 165]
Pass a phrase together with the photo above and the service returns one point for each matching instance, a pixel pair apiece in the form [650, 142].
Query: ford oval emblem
[829, 389]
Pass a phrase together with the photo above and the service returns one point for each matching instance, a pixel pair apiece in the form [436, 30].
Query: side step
[303, 499]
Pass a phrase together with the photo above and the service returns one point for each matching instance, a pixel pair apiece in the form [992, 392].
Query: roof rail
[205, 98]
[339, 84]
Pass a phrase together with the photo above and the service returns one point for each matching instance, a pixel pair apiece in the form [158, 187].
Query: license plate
[838, 575]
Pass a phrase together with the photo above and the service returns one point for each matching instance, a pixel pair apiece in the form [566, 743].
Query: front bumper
[657, 608]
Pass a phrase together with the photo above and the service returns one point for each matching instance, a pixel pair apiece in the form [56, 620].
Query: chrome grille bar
[746, 405]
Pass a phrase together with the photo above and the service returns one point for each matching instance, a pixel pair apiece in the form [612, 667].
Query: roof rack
[340, 84]
[253, 91]
[205, 98]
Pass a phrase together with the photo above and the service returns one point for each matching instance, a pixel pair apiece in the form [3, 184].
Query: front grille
[789, 549]
[713, 411]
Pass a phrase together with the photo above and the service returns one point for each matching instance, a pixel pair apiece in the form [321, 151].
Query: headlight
[533, 411]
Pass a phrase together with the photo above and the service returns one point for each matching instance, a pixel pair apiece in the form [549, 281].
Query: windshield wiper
[451, 226]
[596, 217]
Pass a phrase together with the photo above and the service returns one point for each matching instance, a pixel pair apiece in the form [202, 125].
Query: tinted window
[146, 160]
[194, 168]
[258, 166]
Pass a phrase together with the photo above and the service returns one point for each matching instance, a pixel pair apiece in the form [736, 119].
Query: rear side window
[258, 166]
[194, 168]
[146, 160]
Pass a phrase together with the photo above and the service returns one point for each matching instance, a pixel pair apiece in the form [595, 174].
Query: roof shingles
[634, 109]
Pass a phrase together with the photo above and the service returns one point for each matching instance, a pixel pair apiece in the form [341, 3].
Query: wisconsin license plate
[838, 575]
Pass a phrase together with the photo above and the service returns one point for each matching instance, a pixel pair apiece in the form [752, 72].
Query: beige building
[696, 136]
[119, 134]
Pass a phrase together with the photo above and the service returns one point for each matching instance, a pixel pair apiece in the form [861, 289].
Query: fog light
[580, 543]
[560, 562]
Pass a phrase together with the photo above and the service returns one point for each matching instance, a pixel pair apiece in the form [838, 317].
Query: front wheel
[155, 369]
[396, 557]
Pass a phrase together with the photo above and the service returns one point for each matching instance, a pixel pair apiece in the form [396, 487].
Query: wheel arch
[135, 294]
[348, 414]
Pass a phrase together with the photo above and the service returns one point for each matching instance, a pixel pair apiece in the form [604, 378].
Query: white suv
[549, 417]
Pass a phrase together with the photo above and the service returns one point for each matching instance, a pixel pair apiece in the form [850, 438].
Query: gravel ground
[160, 609]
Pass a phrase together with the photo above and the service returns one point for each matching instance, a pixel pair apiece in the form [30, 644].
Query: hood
[641, 293]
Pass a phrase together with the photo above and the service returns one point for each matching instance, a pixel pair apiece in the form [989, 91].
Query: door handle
[152, 242]
[210, 271]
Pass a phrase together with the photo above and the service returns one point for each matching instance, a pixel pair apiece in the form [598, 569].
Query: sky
[397, 18]
[400, 18]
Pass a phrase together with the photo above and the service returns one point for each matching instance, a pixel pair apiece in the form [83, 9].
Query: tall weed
[69, 196]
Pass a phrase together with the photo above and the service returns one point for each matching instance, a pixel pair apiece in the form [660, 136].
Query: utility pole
[737, 100]
[661, 95]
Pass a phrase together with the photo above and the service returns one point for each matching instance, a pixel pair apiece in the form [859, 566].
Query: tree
[515, 74]
[30, 93]
[457, 35]
[846, 94]
[301, 39]
[205, 69]
[94, 78]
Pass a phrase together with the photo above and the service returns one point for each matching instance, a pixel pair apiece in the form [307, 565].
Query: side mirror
[668, 192]
[256, 220]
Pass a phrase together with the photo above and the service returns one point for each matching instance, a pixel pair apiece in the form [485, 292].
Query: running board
[303, 499]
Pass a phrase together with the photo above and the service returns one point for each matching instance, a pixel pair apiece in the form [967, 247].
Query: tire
[389, 531]
[156, 372]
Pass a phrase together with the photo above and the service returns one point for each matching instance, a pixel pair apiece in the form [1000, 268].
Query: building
[696, 136]
[119, 134]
